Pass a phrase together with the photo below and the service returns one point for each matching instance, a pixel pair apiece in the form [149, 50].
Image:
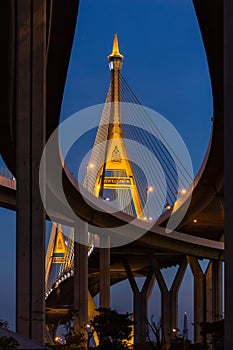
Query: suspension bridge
[112, 177]
[194, 239]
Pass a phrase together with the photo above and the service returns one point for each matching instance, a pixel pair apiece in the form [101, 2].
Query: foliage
[8, 343]
[176, 342]
[74, 339]
[179, 343]
[154, 329]
[216, 330]
[3, 324]
[113, 329]
[69, 319]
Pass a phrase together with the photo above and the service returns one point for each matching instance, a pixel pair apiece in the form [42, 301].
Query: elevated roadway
[207, 200]
[201, 238]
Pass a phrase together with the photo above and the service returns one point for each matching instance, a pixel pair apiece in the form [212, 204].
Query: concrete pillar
[174, 291]
[140, 304]
[81, 276]
[228, 169]
[169, 299]
[104, 254]
[213, 277]
[30, 140]
[199, 297]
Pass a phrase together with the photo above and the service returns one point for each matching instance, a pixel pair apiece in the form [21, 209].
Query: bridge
[108, 173]
[196, 239]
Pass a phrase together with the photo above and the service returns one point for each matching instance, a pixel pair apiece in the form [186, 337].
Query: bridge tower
[115, 179]
[185, 327]
[57, 255]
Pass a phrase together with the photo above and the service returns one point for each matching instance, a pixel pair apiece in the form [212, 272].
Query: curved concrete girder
[208, 13]
[208, 185]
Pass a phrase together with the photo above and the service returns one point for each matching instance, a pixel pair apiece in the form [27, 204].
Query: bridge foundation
[81, 277]
[169, 299]
[30, 140]
[199, 297]
[207, 294]
[140, 304]
[213, 277]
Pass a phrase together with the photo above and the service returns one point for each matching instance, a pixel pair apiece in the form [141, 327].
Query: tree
[176, 342]
[8, 343]
[113, 329]
[74, 339]
[154, 329]
[3, 324]
[216, 331]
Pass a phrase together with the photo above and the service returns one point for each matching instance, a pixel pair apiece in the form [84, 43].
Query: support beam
[140, 304]
[199, 297]
[214, 291]
[175, 291]
[207, 294]
[104, 271]
[169, 299]
[30, 141]
[81, 276]
[165, 301]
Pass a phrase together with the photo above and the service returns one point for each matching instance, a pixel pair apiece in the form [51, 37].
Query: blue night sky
[165, 66]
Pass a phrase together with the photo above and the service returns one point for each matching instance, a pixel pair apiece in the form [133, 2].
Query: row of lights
[148, 190]
[90, 165]
[167, 205]
[66, 275]
[181, 192]
[147, 218]
[61, 279]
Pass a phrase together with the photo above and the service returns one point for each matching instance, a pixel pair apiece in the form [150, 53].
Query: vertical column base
[81, 279]
[105, 272]
[141, 299]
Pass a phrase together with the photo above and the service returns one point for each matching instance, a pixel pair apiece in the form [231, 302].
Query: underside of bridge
[31, 100]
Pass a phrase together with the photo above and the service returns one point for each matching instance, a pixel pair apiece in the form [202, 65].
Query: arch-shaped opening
[164, 63]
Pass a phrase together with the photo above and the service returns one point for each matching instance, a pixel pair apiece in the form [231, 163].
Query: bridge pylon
[57, 254]
[114, 180]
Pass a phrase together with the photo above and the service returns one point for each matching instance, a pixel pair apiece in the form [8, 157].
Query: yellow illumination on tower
[115, 49]
[115, 177]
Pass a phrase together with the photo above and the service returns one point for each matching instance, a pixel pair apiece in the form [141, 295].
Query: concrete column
[30, 140]
[175, 291]
[169, 299]
[140, 304]
[199, 297]
[81, 276]
[165, 302]
[228, 169]
[104, 254]
[213, 277]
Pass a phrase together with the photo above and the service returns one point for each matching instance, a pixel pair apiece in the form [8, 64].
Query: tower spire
[115, 49]
[114, 180]
[185, 328]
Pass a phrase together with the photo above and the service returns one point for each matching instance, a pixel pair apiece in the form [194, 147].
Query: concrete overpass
[21, 157]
